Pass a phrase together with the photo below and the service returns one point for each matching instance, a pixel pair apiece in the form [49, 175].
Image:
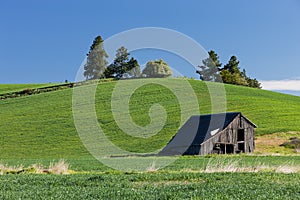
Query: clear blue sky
[46, 41]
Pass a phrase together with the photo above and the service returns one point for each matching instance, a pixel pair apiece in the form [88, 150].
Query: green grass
[8, 88]
[181, 180]
[163, 185]
[185, 163]
[272, 112]
[40, 128]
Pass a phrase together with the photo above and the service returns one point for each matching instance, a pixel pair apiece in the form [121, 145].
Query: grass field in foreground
[41, 127]
[182, 185]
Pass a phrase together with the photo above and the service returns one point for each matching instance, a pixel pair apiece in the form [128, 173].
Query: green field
[39, 129]
[42, 127]
[152, 186]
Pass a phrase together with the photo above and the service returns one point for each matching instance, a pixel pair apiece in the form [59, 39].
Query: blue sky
[46, 41]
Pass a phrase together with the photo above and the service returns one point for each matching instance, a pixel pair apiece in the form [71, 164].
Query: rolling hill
[41, 126]
[7, 88]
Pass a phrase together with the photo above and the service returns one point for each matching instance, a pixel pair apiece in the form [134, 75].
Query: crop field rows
[182, 185]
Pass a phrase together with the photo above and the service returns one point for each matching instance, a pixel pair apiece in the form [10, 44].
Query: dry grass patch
[270, 143]
[60, 167]
[12, 169]
[152, 168]
[221, 165]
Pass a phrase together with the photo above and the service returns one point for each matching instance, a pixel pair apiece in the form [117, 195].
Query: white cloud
[291, 85]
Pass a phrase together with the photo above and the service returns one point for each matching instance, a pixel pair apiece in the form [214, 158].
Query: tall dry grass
[60, 167]
[228, 165]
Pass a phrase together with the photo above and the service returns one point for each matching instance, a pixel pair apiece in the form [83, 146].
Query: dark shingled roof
[199, 129]
[209, 125]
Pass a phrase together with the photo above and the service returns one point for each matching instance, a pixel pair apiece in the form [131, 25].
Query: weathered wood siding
[249, 134]
[230, 136]
[207, 146]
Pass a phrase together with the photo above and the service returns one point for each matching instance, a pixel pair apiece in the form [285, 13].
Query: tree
[122, 66]
[231, 73]
[254, 83]
[134, 72]
[96, 60]
[251, 82]
[233, 65]
[209, 71]
[157, 69]
[226, 77]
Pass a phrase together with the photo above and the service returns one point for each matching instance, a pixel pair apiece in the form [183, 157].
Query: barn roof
[200, 128]
[209, 125]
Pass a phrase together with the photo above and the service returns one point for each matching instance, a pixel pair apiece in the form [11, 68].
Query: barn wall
[230, 136]
[207, 146]
[249, 134]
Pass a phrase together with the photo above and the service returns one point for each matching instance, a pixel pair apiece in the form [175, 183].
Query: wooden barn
[224, 133]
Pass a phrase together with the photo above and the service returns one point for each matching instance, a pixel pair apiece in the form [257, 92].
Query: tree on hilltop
[96, 60]
[157, 69]
[231, 73]
[209, 70]
[122, 67]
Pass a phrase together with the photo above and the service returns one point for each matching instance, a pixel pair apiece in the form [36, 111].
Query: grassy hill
[41, 126]
[7, 88]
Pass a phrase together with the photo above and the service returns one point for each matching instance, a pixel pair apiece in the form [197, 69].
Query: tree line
[212, 70]
[123, 66]
[97, 67]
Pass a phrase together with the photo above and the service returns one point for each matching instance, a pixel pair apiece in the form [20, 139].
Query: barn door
[226, 148]
[241, 135]
[241, 140]
[241, 147]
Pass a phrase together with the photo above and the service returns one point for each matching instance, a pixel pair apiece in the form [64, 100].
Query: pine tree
[122, 66]
[96, 60]
[209, 71]
[251, 82]
[231, 73]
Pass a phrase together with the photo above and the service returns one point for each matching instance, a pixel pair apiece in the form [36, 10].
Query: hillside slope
[7, 88]
[42, 126]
